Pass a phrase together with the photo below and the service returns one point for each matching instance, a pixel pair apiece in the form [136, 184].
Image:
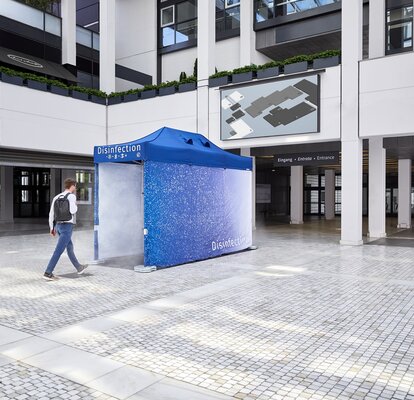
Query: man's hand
[53, 232]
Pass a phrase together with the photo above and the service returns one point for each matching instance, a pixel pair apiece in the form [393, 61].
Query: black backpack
[62, 209]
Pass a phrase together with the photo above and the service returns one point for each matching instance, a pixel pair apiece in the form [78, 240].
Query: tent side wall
[119, 211]
[193, 212]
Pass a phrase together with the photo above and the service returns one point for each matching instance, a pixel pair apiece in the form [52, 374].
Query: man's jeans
[64, 242]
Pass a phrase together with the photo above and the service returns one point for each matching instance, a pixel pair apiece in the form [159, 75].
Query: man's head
[70, 184]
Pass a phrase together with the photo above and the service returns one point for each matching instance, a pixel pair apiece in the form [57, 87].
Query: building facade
[356, 112]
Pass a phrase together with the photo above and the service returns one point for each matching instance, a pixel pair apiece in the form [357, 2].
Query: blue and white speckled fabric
[192, 213]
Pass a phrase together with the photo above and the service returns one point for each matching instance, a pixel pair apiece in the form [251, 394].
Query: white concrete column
[107, 45]
[6, 194]
[376, 28]
[247, 33]
[351, 208]
[245, 151]
[404, 193]
[376, 188]
[296, 195]
[329, 194]
[68, 8]
[206, 42]
[351, 193]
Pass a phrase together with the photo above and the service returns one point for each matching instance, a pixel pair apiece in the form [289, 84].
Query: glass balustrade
[268, 9]
[31, 16]
[87, 38]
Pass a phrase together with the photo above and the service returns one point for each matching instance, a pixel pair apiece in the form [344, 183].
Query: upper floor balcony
[30, 16]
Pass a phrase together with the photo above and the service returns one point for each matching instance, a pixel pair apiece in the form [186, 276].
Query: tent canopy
[172, 146]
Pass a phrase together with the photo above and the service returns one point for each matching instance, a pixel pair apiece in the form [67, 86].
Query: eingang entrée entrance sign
[319, 158]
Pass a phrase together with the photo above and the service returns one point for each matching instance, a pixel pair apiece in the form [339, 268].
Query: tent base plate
[142, 269]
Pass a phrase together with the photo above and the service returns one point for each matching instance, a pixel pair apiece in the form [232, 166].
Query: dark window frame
[227, 33]
[387, 24]
[286, 19]
[222, 35]
[175, 45]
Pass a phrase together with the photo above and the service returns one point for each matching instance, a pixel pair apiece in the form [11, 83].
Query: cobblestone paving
[19, 381]
[281, 337]
[314, 320]
[30, 304]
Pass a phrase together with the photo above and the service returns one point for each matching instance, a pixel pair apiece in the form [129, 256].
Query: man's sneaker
[50, 277]
[82, 268]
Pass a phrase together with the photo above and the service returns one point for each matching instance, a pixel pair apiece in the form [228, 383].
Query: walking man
[62, 217]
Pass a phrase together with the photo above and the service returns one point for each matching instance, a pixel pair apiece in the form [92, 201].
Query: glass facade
[31, 192]
[178, 23]
[399, 28]
[268, 9]
[227, 15]
[314, 194]
[84, 187]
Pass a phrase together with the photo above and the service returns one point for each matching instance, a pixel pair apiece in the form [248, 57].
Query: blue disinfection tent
[170, 198]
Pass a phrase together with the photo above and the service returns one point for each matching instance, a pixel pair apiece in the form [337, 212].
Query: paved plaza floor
[299, 318]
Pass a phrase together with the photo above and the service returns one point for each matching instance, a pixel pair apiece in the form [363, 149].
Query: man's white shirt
[72, 207]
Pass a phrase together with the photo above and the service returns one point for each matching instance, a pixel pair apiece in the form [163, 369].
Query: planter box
[59, 90]
[114, 100]
[268, 72]
[296, 67]
[37, 85]
[80, 95]
[98, 100]
[164, 91]
[221, 81]
[148, 94]
[14, 80]
[325, 62]
[131, 97]
[187, 87]
[243, 77]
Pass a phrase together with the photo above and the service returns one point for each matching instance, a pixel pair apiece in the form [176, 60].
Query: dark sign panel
[320, 158]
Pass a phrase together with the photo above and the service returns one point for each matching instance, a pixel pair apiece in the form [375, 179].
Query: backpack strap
[64, 197]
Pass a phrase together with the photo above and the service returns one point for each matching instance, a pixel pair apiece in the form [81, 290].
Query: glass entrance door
[31, 192]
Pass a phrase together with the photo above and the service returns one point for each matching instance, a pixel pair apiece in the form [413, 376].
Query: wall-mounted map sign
[280, 107]
[320, 158]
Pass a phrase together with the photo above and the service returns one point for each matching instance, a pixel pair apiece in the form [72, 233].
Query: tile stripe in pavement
[51, 353]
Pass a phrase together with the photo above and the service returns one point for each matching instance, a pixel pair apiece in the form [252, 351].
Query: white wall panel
[175, 63]
[137, 119]
[228, 54]
[35, 120]
[136, 37]
[387, 96]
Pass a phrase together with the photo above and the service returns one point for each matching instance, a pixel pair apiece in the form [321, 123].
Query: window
[268, 9]
[314, 194]
[227, 15]
[24, 179]
[264, 10]
[167, 16]
[399, 29]
[179, 23]
[84, 184]
[232, 3]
